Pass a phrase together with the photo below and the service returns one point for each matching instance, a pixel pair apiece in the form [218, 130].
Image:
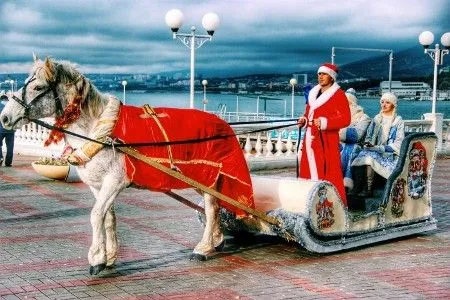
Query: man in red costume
[327, 111]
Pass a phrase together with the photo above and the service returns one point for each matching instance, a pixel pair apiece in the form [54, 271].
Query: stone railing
[29, 140]
[263, 149]
[446, 134]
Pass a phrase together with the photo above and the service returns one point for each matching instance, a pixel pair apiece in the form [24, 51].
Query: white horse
[50, 89]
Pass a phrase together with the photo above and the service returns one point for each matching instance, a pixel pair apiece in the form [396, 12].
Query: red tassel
[71, 114]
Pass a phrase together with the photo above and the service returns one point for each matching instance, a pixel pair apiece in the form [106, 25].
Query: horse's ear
[49, 69]
[35, 57]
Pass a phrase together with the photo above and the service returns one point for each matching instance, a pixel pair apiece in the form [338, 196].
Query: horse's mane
[79, 90]
[92, 101]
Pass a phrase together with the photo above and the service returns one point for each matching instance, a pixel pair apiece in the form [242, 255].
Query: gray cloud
[254, 36]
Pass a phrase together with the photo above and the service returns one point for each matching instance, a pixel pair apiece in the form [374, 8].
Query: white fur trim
[351, 99]
[310, 155]
[323, 123]
[348, 182]
[315, 102]
[326, 70]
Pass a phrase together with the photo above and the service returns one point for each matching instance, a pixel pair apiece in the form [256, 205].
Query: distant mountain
[408, 63]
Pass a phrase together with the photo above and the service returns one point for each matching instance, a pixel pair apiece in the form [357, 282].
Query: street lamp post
[293, 82]
[205, 101]
[210, 21]
[12, 86]
[124, 83]
[426, 38]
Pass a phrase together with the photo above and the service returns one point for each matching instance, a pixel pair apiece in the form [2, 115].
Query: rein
[180, 142]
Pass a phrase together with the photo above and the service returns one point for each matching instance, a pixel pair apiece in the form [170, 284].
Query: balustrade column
[438, 120]
[279, 144]
[269, 146]
[289, 145]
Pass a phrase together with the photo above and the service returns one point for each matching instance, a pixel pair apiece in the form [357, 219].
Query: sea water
[277, 104]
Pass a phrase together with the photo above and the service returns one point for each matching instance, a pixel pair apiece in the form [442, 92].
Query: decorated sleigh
[312, 213]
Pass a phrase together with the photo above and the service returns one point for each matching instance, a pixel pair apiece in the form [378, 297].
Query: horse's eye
[38, 88]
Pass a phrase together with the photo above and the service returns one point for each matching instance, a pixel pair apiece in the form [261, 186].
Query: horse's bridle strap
[28, 106]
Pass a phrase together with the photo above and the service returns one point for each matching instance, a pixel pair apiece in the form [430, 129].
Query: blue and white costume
[386, 134]
[351, 136]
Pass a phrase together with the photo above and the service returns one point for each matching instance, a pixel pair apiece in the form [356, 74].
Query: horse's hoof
[220, 247]
[198, 257]
[94, 270]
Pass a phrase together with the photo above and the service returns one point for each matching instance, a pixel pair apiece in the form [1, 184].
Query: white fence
[263, 149]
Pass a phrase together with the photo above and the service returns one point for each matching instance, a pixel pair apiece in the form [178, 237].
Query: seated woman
[351, 136]
[381, 147]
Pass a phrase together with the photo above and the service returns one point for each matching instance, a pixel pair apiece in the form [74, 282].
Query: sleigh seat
[360, 207]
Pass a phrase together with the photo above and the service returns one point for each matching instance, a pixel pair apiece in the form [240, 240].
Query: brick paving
[45, 234]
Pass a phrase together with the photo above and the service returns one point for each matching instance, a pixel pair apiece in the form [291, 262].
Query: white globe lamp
[210, 22]
[174, 19]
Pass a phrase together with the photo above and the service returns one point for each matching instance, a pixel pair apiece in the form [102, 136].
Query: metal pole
[436, 63]
[191, 98]
[391, 58]
[204, 97]
[237, 108]
[257, 106]
[292, 102]
[124, 100]
[332, 55]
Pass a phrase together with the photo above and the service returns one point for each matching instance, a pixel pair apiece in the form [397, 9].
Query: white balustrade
[446, 134]
[257, 142]
[248, 146]
[269, 147]
[29, 140]
[258, 145]
[279, 145]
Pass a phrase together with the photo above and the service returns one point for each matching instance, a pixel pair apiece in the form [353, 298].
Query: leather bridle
[29, 105]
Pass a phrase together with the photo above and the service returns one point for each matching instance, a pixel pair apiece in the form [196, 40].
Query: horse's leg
[206, 245]
[218, 239]
[104, 199]
[110, 232]
[111, 236]
[217, 235]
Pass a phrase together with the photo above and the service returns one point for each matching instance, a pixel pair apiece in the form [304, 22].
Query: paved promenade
[45, 234]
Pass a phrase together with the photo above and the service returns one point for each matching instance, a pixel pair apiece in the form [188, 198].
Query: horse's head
[46, 92]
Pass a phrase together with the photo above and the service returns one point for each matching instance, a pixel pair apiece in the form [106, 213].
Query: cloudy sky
[255, 36]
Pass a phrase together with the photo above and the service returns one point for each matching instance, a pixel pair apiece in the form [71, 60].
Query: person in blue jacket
[8, 136]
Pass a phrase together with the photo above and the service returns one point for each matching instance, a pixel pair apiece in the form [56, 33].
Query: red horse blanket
[202, 159]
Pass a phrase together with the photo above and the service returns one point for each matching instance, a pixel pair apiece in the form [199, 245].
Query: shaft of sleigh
[199, 186]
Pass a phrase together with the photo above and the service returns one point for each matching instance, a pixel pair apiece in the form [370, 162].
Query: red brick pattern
[45, 235]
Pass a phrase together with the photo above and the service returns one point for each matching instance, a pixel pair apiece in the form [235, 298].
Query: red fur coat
[320, 156]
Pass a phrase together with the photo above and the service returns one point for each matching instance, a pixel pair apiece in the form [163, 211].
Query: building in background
[407, 90]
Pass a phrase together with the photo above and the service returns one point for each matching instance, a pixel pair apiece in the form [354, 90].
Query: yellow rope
[198, 185]
[148, 110]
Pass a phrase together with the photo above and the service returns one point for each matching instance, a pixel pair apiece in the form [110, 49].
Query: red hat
[329, 69]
